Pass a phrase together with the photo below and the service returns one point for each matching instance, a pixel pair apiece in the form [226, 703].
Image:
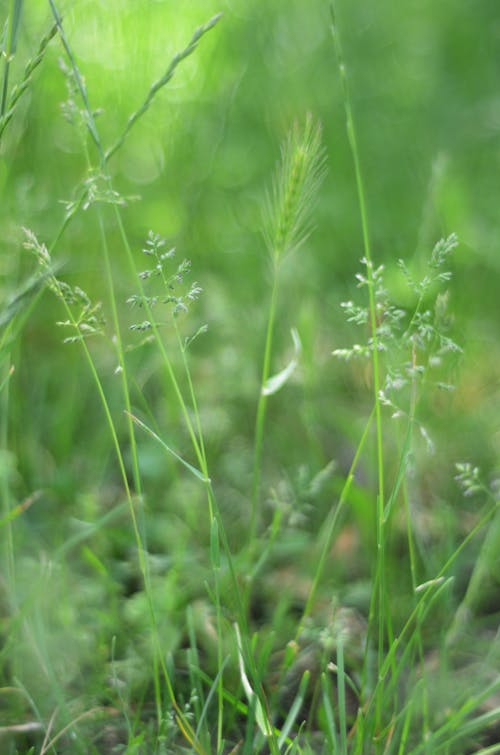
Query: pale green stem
[331, 525]
[261, 409]
[4, 482]
[379, 588]
[15, 9]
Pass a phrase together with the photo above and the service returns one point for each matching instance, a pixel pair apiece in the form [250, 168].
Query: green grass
[215, 537]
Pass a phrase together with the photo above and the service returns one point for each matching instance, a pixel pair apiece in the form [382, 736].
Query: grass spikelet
[19, 89]
[296, 183]
[161, 82]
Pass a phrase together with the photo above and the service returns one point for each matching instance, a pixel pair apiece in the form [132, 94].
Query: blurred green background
[424, 82]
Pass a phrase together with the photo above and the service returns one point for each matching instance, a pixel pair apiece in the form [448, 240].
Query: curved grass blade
[260, 715]
[197, 473]
[276, 382]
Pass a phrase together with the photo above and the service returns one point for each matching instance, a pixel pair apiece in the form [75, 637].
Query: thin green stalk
[428, 592]
[411, 550]
[295, 186]
[414, 583]
[117, 332]
[341, 697]
[379, 587]
[4, 481]
[161, 346]
[215, 562]
[330, 526]
[121, 356]
[22, 86]
[199, 430]
[106, 408]
[261, 409]
[79, 81]
[14, 18]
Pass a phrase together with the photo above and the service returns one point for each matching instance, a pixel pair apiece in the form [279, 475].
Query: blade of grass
[341, 697]
[295, 709]
[328, 529]
[457, 727]
[214, 687]
[152, 434]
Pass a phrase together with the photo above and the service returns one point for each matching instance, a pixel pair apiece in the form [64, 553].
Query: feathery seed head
[296, 182]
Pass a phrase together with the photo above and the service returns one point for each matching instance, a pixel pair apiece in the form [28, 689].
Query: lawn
[249, 394]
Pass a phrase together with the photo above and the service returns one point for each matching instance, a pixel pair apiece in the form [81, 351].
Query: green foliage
[203, 550]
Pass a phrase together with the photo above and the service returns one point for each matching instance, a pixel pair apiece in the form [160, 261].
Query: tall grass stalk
[328, 530]
[7, 535]
[287, 226]
[13, 22]
[378, 607]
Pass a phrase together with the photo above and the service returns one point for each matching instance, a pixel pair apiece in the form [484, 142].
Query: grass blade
[162, 443]
[326, 695]
[294, 709]
[341, 697]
